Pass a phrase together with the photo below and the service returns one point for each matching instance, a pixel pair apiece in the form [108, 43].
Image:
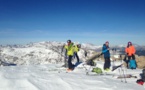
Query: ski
[101, 74]
[115, 67]
[75, 66]
[128, 76]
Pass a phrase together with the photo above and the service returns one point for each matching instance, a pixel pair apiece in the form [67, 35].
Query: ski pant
[70, 65]
[107, 63]
[132, 56]
[76, 55]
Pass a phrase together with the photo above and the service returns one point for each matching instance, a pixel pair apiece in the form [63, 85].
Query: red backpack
[140, 81]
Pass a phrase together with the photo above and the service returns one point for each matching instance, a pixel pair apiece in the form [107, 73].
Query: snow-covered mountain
[33, 53]
[48, 52]
[37, 53]
[90, 46]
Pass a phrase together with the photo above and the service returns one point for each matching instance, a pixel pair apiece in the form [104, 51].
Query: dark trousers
[70, 65]
[107, 63]
[132, 56]
[76, 55]
[129, 58]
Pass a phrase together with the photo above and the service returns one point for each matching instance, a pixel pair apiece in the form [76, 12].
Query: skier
[130, 52]
[70, 52]
[106, 52]
[76, 49]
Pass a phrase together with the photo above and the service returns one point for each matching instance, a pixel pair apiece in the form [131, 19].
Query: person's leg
[70, 65]
[74, 55]
[78, 60]
[133, 58]
[105, 63]
[108, 63]
[129, 57]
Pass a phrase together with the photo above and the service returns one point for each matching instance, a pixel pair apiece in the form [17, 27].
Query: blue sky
[84, 21]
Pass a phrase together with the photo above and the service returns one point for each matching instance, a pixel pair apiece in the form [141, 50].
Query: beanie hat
[68, 41]
[106, 42]
[129, 43]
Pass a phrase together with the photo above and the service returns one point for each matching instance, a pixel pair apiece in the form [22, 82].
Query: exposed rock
[140, 62]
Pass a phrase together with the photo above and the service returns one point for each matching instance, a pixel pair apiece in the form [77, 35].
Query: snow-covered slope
[46, 77]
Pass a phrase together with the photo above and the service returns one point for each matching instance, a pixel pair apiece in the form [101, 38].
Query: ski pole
[120, 74]
[87, 72]
[123, 70]
[124, 75]
[84, 67]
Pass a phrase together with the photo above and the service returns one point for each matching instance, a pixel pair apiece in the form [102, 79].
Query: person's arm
[104, 49]
[126, 50]
[62, 48]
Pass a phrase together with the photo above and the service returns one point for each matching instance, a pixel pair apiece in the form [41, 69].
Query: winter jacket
[70, 49]
[105, 51]
[130, 50]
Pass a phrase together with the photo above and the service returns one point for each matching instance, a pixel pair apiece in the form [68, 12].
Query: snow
[39, 64]
[46, 77]
[116, 56]
[90, 46]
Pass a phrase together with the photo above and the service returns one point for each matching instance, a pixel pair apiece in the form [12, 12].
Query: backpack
[97, 70]
[91, 63]
[140, 81]
[79, 45]
[132, 64]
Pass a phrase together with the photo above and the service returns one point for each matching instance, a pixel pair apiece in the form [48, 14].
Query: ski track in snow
[39, 77]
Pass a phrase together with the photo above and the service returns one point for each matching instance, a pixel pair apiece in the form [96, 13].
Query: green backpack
[97, 70]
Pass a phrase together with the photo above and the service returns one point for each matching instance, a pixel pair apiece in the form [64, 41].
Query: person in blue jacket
[106, 52]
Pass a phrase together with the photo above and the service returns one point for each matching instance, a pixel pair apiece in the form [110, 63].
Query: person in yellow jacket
[70, 52]
[76, 49]
[130, 52]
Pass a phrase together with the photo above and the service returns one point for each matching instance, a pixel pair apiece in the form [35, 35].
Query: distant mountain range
[140, 50]
[51, 52]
